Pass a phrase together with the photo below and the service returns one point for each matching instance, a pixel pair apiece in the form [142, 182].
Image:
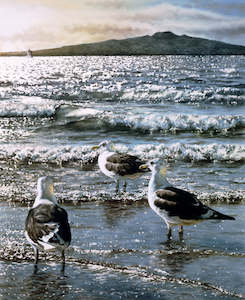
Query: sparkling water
[187, 110]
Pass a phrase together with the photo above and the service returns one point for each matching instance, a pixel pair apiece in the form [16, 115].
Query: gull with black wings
[176, 206]
[118, 165]
[46, 226]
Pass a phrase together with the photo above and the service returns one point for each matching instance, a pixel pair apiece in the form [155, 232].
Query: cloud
[193, 21]
[60, 22]
[230, 32]
[99, 32]
[229, 8]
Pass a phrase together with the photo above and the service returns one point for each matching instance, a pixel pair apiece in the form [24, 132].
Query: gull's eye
[103, 144]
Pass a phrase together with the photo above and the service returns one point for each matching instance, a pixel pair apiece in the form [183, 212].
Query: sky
[41, 24]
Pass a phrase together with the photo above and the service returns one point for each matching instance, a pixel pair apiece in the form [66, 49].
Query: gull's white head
[45, 188]
[158, 178]
[157, 166]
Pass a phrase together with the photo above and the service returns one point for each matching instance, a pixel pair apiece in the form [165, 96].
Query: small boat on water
[29, 53]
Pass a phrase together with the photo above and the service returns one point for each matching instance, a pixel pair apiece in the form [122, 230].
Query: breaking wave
[27, 107]
[84, 155]
[95, 119]
[176, 123]
[145, 93]
[43, 154]
[88, 118]
[159, 94]
[194, 153]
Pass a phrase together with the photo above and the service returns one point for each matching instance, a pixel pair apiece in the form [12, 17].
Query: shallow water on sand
[120, 251]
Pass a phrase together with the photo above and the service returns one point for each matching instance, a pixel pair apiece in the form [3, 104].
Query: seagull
[46, 225]
[118, 165]
[176, 206]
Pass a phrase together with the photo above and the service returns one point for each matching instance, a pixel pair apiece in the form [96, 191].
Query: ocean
[186, 110]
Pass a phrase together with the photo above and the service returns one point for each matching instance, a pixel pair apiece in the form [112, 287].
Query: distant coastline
[160, 43]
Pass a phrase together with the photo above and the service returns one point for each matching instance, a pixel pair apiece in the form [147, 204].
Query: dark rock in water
[160, 43]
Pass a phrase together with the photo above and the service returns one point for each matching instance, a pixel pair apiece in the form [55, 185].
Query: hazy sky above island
[39, 24]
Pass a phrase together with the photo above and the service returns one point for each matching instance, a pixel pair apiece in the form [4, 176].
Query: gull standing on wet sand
[118, 165]
[46, 226]
[176, 206]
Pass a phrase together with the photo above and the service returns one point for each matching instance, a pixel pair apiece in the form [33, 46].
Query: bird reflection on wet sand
[44, 284]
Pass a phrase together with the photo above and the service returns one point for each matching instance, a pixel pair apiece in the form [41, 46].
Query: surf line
[142, 272]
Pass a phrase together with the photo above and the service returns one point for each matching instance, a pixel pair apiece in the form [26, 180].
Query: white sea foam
[84, 154]
[27, 107]
[151, 122]
[184, 152]
[154, 121]
[229, 70]
[82, 112]
[217, 95]
[176, 122]
[47, 154]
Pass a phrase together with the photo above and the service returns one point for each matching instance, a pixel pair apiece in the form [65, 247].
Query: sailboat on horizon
[29, 53]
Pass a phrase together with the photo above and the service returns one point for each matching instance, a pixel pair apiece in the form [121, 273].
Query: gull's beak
[163, 171]
[51, 189]
[95, 147]
[143, 167]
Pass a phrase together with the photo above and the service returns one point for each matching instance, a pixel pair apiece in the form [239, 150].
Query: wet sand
[119, 250]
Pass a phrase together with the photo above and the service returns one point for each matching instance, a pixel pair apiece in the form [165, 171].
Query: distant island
[160, 43]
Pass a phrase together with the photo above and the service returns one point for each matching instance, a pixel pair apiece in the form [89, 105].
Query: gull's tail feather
[215, 215]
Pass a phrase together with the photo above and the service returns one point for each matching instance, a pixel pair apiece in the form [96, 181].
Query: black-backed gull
[46, 225]
[118, 165]
[176, 206]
